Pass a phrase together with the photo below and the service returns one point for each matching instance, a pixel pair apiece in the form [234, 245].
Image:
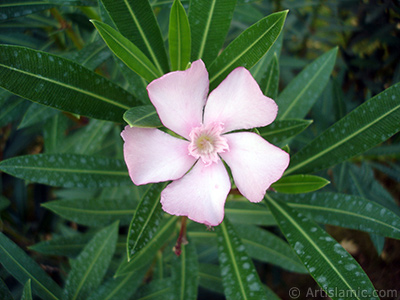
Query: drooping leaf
[125, 50]
[368, 125]
[179, 37]
[142, 116]
[60, 83]
[117, 288]
[27, 291]
[68, 170]
[185, 274]
[239, 276]
[270, 81]
[296, 184]
[209, 25]
[247, 48]
[327, 262]
[135, 20]
[89, 268]
[281, 130]
[147, 253]
[300, 95]
[146, 220]
[93, 212]
[23, 268]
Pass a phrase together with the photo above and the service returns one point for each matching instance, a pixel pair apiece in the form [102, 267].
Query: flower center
[206, 142]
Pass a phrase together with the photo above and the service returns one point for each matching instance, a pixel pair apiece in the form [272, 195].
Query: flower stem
[182, 240]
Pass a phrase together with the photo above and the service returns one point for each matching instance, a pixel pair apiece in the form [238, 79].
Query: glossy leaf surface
[142, 116]
[281, 130]
[296, 184]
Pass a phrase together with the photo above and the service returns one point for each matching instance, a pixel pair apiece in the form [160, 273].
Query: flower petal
[239, 103]
[155, 156]
[179, 98]
[255, 163]
[200, 195]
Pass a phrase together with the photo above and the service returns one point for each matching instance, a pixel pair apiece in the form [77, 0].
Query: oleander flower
[208, 127]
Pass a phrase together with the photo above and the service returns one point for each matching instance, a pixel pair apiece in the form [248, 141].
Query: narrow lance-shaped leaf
[36, 113]
[296, 184]
[185, 274]
[281, 130]
[328, 263]
[68, 170]
[136, 21]
[142, 116]
[179, 37]
[209, 25]
[60, 83]
[302, 92]
[270, 81]
[23, 268]
[247, 48]
[93, 212]
[127, 52]
[239, 276]
[150, 249]
[13, 9]
[146, 220]
[368, 125]
[27, 291]
[89, 268]
[5, 293]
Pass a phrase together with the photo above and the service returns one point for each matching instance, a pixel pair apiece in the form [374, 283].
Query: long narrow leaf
[142, 116]
[281, 130]
[5, 293]
[68, 170]
[23, 268]
[247, 48]
[60, 83]
[209, 24]
[136, 21]
[27, 292]
[239, 276]
[368, 125]
[127, 52]
[297, 184]
[179, 37]
[329, 264]
[270, 81]
[300, 95]
[146, 220]
[89, 268]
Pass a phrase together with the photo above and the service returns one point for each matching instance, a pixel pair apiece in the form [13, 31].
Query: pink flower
[200, 180]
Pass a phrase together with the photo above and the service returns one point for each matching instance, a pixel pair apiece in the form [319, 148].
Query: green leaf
[179, 37]
[89, 268]
[4, 203]
[302, 92]
[239, 276]
[36, 113]
[5, 293]
[368, 125]
[270, 81]
[136, 21]
[23, 268]
[267, 247]
[69, 246]
[127, 52]
[142, 116]
[296, 184]
[328, 263]
[147, 253]
[209, 278]
[68, 170]
[244, 212]
[281, 130]
[93, 212]
[185, 274]
[13, 9]
[122, 287]
[155, 290]
[209, 25]
[60, 83]
[247, 48]
[146, 220]
[27, 292]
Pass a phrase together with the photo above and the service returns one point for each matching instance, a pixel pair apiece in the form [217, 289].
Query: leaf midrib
[206, 30]
[82, 171]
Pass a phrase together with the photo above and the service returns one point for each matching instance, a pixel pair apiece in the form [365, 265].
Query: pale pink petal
[155, 156]
[239, 103]
[200, 195]
[179, 98]
[255, 163]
